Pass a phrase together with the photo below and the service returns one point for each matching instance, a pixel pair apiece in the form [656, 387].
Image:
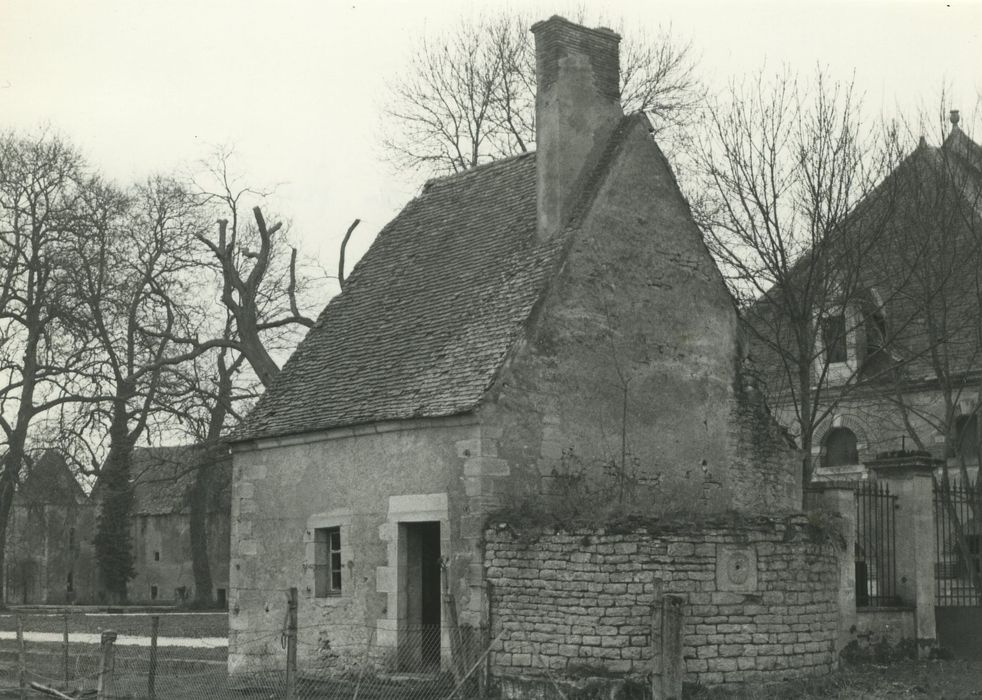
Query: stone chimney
[577, 107]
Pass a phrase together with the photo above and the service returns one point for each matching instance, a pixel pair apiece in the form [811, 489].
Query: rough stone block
[486, 466]
[736, 568]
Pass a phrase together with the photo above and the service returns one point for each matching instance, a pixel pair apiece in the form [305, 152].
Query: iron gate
[957, 571]
[876, 562]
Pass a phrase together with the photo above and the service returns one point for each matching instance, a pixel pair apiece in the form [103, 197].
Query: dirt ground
[946, 679]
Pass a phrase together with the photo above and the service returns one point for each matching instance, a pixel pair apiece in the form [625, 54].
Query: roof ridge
[474, 170]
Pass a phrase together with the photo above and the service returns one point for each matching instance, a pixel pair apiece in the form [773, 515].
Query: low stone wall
[760, 600]
[882, 634]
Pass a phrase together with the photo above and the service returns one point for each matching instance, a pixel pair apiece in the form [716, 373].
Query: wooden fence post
[483, 655]
[21, 658]
[105, 687]
[64, 658]
[152, 675]
[291, 645]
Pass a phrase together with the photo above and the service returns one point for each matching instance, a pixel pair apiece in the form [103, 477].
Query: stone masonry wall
[760, 600]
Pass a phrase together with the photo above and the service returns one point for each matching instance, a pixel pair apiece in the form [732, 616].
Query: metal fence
[957, 572]
[876, 568]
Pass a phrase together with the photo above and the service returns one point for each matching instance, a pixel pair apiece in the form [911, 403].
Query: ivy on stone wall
[113, 543]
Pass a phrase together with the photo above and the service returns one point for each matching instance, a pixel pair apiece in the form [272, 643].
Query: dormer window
[834, 338]
[851, 339]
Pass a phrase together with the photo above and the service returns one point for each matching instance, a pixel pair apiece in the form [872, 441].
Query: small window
[222, 598]
[156, 556]
[153, 593]
[840, 448]
[834, 338]
[70, 583]
[327, 561]
[967, 437]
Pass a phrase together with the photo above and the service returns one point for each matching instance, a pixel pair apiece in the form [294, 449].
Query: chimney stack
[577, 107]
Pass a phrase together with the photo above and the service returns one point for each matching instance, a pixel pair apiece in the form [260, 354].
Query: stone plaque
[736, 568]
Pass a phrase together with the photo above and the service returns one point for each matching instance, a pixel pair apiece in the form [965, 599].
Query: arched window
[967, 437]
[840, 448]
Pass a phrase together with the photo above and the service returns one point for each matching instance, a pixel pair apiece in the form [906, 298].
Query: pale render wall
[170, 535]
[362, 481]
[879, 424]
[637, 341]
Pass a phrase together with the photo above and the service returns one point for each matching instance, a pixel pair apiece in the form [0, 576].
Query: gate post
[910, 478]
[841, 499]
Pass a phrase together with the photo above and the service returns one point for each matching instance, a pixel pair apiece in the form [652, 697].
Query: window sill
[328, 600]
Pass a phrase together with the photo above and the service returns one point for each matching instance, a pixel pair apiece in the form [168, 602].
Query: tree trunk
[113, 540]
[17, 437]
[807, 418]
[6, 502]
[203, 481]
[253, 348]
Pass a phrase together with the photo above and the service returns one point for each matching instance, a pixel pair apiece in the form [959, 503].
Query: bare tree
[260, 282]
[133, 277]
[270, 294]
[782, 169]
[937, 249]
[42, 182]
[267, 298]
[469, 97]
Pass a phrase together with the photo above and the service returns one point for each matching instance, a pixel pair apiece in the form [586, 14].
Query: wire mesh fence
[74, 654]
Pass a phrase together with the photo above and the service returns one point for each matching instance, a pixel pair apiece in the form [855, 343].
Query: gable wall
[639, 318]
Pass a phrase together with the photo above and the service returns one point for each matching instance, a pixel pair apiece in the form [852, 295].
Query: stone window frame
[853, 450]
[853, 423]
[857, 317]
[837, 373]
[328, 567]
[335, 519]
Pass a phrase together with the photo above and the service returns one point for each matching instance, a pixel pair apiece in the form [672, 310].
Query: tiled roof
[162, 478]
[947, 273]
[427, 316]
[50, 481]
[430, 312]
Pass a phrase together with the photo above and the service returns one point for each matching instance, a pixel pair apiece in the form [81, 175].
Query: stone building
[517, 326]
[49, 556]
[163, 478]
[50, 541]
[899, 363]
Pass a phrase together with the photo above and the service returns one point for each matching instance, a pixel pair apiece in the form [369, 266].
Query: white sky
[296, 86]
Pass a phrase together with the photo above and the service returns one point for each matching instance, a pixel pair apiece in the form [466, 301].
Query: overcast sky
[297, 87]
